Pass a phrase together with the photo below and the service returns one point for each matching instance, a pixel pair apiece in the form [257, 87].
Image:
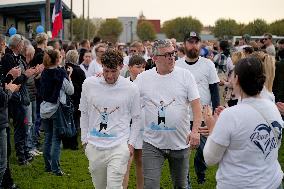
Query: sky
[207, 11]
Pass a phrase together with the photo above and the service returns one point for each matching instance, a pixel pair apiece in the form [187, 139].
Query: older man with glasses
[175, 89]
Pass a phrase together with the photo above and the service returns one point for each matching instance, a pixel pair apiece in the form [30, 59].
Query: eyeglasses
[133, 51]
[264, 39]
[167, 54]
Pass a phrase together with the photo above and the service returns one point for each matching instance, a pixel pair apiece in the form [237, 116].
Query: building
[128, 34]
[23, 13]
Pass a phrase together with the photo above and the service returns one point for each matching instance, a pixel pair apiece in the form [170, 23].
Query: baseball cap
[191, 35]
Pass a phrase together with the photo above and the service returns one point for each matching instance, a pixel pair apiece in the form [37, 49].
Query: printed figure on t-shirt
[104, 117]
[162, 111]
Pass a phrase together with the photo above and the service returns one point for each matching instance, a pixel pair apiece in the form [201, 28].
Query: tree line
[110, 29]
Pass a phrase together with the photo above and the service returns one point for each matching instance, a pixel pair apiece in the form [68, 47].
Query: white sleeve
[84, 119]
[192, 90]
[213, 76]
[213, 152]
[91, 70]
[222, 131]
[135, 111]
[68, 87]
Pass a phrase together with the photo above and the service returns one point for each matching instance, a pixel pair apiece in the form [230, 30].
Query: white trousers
[108, 166]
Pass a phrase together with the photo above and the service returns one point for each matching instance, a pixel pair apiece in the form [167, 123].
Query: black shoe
[201, 180]
[24, 162]
[60, 173]
[14, 186]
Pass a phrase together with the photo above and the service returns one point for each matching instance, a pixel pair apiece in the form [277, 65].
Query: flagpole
[71, 22]
[88, 20]
[83, 19]
[47, 15]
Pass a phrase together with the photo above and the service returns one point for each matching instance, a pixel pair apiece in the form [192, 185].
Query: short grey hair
[30, 49]
[72, 56]
[161, 44]
[15, 40]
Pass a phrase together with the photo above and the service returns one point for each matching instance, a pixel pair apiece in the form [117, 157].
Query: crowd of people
[147, 102]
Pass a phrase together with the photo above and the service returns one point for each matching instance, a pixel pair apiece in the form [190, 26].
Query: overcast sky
[207, 11]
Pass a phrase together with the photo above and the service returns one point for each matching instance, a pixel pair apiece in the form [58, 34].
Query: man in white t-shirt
[174, 88]
[207, 80]
[108, 103]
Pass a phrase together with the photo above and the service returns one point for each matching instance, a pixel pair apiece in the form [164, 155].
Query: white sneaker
[38, 152]
[33, 153]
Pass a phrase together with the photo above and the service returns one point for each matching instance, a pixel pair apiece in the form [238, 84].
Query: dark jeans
[52, 141]
[7, 177]
[18, 114]
[199, 163]
[153, 160]
[37, 123]
[3, 152]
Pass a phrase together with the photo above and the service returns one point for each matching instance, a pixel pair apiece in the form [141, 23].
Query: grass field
[75, 164]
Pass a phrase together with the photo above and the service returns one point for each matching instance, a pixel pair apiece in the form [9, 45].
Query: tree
[178, 27]
[146, 31]
[80, 29]
[277, 27]
[110, 30]
[225, 28]
[257, 27]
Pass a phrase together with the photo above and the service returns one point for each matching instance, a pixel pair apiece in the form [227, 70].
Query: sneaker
[38, 152]
[33, 153]
[60, 173]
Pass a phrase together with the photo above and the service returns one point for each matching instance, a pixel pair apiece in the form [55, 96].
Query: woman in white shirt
[244, 140]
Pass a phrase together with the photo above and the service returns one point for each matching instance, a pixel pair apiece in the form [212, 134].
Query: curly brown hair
[112, 59]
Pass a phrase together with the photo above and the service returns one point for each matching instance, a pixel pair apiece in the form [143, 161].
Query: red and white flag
[57, 18]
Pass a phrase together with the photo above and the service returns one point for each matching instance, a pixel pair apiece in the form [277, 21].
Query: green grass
[75, 164]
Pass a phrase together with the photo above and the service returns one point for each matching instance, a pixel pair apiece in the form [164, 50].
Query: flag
[57, 18]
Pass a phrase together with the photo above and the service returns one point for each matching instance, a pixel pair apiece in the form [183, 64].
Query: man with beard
[207, 81]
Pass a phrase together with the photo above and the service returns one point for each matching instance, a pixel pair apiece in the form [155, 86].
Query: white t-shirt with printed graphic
[204, 73]
[250, 159]
[122, 101]
[178, 86]
[94, 68]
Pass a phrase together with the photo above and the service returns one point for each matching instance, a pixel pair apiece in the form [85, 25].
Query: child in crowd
[136, 66]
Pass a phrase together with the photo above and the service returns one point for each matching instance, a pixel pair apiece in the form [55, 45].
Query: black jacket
[5, 95]
[78, 76]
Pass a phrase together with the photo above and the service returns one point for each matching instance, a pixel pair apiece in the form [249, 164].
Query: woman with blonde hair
[77, 77]
[268, 63]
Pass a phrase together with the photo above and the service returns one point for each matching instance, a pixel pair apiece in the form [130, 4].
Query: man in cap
[207, 80]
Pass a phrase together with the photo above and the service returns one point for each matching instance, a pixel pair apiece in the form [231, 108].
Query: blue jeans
[31, 135]
[52, 141]
[153, 160]
[3, 152]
